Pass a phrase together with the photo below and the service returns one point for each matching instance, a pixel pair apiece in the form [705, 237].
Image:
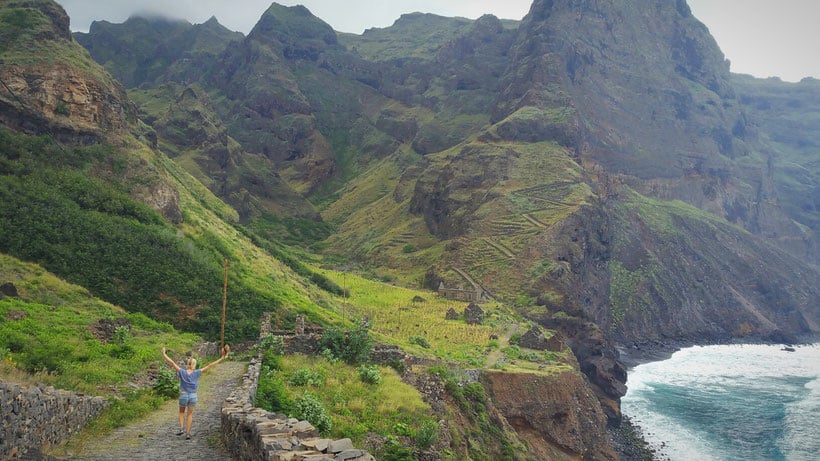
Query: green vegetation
[415, 35]
[493, 441]
[353, 346]
[54, 333]
[625, 291]
[346, 401]
[92, 232]
[395, 317]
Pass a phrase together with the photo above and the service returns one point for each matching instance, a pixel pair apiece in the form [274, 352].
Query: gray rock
[338, 446]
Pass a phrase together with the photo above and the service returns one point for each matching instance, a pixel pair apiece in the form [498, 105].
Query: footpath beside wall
[33, 416]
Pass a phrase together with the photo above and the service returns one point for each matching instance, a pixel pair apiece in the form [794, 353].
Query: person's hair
[191, 363]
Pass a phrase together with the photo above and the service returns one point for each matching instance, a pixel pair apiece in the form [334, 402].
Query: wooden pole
[224, 306]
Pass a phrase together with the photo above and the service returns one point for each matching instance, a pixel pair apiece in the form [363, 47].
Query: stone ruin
[460, 294]
[300, 324]
[473, 314]
[534, 339]
[451, 314]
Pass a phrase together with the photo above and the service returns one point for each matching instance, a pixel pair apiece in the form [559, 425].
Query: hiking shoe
[180, 432]
[187, 436]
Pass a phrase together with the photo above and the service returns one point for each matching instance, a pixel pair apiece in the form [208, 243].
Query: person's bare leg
[181, 420]
[190, 419]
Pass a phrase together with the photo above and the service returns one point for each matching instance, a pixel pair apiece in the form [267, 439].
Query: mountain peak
[301, 34]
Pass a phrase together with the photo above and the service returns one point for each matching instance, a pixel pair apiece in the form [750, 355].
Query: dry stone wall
[34, 416]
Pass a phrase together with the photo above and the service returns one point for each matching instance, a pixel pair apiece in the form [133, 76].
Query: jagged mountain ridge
[509, 153]
[515, 205]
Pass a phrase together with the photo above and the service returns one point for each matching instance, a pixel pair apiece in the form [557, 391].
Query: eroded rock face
[61, 96]
[63, 101]
[557, 415]
[162, 197]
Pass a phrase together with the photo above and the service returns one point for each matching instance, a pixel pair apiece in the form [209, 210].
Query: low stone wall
[255, 434]
[34, 416]
[307, 344]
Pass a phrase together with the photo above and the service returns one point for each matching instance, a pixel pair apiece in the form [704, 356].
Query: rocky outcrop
[269, 111]
[62, 101]
[60, 91]
[557, 416]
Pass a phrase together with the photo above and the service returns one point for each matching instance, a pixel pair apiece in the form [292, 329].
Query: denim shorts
[187, 399]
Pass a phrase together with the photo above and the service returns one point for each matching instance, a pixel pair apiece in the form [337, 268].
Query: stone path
[154, 437]
[503, 341]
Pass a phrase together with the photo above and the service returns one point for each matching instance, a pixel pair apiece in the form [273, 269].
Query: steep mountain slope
[104, 207]
[787, 116]
[85, 198]
[596, 166]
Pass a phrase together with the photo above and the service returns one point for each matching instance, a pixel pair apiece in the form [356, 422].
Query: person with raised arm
[188, 385]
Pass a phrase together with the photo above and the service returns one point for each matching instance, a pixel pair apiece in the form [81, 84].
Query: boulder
[8, 289]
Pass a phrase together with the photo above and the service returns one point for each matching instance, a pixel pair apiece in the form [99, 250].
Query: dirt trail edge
[154, 437]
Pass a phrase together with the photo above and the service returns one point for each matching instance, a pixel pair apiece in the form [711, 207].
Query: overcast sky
[763, 38]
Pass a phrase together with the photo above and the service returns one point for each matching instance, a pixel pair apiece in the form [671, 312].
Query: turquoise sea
[731, 402]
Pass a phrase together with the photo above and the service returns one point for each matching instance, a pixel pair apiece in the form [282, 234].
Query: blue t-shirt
[189, 382]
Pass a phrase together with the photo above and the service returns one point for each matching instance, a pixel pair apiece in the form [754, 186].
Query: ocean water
[730, 403]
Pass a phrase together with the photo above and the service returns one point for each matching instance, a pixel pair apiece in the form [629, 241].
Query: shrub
[271, 361]
[353, 346]
[420, 340]
[398, 365]
[306, 377]
[310, 409]
[401, 429]
[394, 451]
[166, 383]
[272, 395]
[270, 343]
[122, 334]
[475, 392]
[328, 355]
[427, 435]
[61, 109]
[370, 374]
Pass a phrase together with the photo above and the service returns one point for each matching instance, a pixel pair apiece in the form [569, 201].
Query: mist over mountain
[595, 166]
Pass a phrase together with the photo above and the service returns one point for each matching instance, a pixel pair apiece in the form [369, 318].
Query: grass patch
[395, 316]
[356, 403]
[50, 332]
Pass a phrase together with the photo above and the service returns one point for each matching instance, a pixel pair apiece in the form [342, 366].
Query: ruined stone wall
[34, 416]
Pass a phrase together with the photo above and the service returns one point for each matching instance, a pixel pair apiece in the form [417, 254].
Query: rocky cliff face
[60, 100]
[653, 99]
[57, 90]
[555, 415]
[268, 112]
[191, 130]
[51, 87]
[141, 51]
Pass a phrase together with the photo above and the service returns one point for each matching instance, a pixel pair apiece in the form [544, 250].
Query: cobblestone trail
[154, 437]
